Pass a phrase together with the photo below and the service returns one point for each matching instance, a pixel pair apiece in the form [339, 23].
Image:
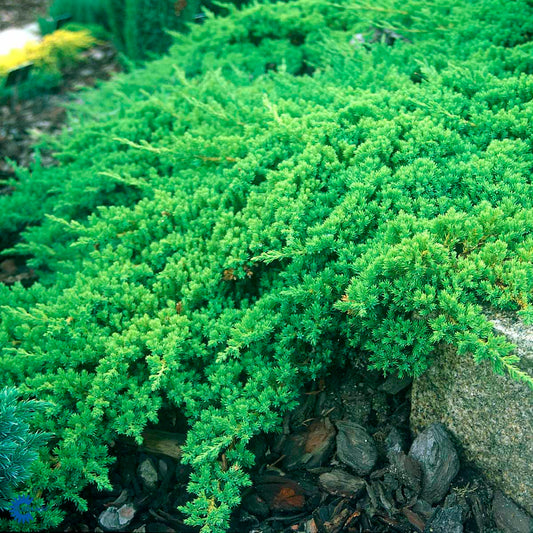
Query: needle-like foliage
[296, 185]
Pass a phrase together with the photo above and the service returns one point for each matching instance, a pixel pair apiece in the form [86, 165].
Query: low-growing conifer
[290, 189]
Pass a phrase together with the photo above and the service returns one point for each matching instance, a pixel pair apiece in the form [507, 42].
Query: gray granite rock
[490, 416]
[509, 517]
[436, 454]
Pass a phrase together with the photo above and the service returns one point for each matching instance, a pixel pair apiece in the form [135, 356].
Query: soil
[289, 493]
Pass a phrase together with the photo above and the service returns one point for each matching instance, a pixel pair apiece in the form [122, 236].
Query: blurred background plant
[138, 28]
[57, 51]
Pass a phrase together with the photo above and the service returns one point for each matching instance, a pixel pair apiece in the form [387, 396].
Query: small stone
[310, 526]
[356, 448]
[340, 482]
[438, 458]
[113, 519]
[445, 521]
[97, 54]
[357, 38]
[126, 514]
[148, 474]
[109, 519]
[509, 517]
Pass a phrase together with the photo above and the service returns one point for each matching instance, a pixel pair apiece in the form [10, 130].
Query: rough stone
[490, 416]
[113, 519]
[509, 517]
[436, 454]
[356, 448]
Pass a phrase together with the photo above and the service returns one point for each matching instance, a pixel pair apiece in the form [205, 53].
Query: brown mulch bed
[24, 121]
[302, 481]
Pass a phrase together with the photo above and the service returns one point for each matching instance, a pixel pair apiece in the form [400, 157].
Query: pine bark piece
[310, 448]
[356, 448]
[407, 471]
[340, 482]
[438, 458]
[163, 442]
[415, 520]
[281, 493]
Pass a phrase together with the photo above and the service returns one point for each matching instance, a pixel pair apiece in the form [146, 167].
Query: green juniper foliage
[271, 200]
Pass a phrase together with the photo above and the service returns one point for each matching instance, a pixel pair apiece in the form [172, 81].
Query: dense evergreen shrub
[271, 200]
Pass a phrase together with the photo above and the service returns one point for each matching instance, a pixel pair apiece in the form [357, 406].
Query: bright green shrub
[259, 207]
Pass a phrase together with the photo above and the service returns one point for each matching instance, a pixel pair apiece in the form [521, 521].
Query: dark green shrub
[269, 201]
[36, 84]
[145, 22]
[138, 27]
[87, 11]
